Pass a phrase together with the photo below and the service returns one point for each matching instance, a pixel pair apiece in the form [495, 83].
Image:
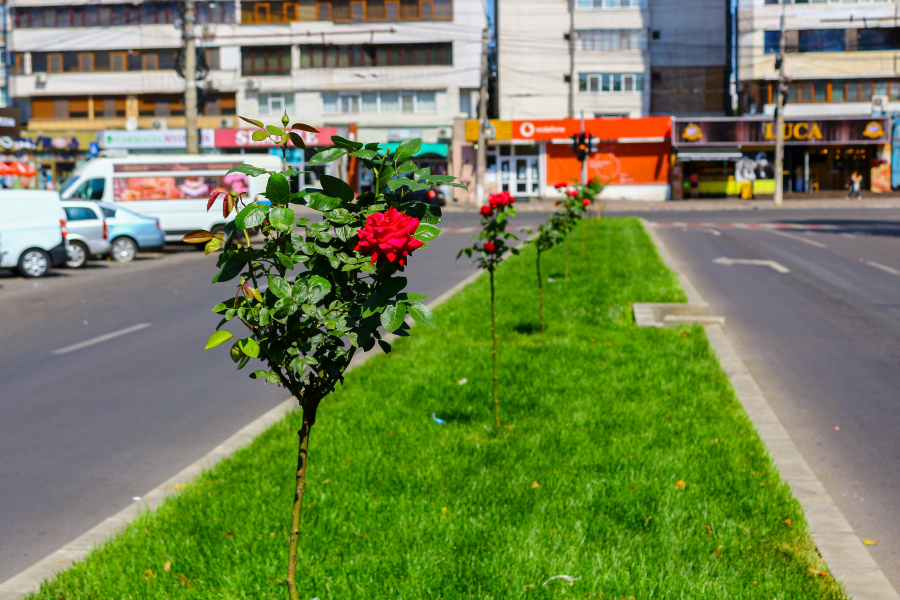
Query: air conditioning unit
[252, 84]
[879, 103]
[226, 122]
[445, 133]
[41, 78]
[159, 124]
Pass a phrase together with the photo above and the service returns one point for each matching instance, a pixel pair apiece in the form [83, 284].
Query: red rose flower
[585, 202]
[560, 185]
[486, 211]
[572, 193]
[388, 235]
[501, 199]
[489, 247]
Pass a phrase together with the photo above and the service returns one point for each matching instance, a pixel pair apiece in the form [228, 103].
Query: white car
[32, 232]
[169, 187]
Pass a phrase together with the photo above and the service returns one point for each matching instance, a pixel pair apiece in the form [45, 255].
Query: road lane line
[100, 339]
[884, 268]
[798, 238]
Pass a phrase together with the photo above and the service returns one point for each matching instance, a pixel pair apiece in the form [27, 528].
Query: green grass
[606, 418]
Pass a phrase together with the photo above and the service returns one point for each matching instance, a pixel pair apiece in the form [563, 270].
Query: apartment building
[841, 65]
[108, 71]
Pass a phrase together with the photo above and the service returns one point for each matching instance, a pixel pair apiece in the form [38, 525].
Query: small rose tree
[314, 291]
[574, 202]
[488, 247]
[549, 234]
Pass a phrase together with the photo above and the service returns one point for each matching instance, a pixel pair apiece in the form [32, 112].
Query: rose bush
[489, 246]
[314, 291]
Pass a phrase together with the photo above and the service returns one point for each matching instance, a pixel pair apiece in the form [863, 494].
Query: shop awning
[433, 149]
[708, 156]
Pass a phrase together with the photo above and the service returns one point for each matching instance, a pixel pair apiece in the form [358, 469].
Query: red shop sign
[241, 138]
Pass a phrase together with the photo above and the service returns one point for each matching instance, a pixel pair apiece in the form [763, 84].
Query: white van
[170, 187]
[32, 231]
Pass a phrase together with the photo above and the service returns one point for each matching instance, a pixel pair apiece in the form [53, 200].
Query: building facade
[382, 70]
[841, 64]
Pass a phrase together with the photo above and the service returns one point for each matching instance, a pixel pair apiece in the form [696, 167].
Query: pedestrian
[855, 186]
[694, 180]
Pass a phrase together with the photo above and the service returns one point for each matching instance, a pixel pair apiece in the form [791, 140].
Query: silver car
[88, 232]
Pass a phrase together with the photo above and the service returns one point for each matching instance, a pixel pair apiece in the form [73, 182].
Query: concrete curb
[30, 579]
[840, 547]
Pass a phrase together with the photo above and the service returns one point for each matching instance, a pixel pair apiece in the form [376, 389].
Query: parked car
[88, 232]
[130, 233]
[32, 231]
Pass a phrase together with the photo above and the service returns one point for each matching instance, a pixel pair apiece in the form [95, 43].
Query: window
[384, 10]
[92, 189]
[375, 55]
[610, 39]
[357, 11]
[380, 102]
[610, 83]
[54, 63]
[275, 103]
[608, 4]
[266, 60]
[392, 10]
[117, 61]
[771, 42]
[261, 12]
[86, 62]
[837, 91]
[821, 40]
[150, 61]
[80, 213]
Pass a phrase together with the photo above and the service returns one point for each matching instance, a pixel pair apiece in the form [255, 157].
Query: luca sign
[762, 132]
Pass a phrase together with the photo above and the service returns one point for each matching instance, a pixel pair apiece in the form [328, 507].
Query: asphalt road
[822, 340]
[84, 431]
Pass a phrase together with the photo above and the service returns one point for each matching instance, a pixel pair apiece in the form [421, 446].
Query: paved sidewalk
[547, 205]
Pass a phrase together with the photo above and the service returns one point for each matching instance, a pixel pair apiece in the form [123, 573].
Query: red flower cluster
[501, 199]
[585, 202]
[490, 247]
[560, 185]
[486, 211]
[572, 193]
[388, 235]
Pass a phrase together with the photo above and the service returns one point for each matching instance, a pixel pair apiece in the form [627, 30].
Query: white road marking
[884, 268]
[848, 235]
[798, 238]
[101, 339]
[747, 261]
[715, 232]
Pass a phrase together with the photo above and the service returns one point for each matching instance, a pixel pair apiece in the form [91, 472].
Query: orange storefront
[528, 157]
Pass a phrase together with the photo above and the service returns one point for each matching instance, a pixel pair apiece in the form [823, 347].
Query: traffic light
[580, 146]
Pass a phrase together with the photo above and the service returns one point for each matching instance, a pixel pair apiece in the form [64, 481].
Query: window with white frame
[275, 103]
[610, 83]
[380, 102]
[610, 39]
[609, 4]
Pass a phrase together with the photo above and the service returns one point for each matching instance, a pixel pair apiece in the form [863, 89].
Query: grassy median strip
[625, 464]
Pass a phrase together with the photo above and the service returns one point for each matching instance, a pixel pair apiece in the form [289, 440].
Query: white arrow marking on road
[747, 261]
[100, 339]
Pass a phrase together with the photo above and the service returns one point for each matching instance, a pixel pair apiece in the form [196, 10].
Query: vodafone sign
[241, 138]
[606, 129]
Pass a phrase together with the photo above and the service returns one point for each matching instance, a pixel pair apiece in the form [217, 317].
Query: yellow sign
[873, 131]
[503, 129]
[797, 131]
[692, 133]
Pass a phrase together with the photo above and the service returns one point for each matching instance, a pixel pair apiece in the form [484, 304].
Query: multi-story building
[382, 70]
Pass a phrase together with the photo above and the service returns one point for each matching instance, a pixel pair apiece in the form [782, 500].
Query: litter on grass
[462, 381]
[568, 578]
[435, 418]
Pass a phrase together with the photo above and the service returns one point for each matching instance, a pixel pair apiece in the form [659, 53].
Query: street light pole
[190, 79]
[779, 120]
[481, 152]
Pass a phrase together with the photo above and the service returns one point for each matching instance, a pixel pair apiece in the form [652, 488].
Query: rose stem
[494, 353]
[309, 418]
[540, 289]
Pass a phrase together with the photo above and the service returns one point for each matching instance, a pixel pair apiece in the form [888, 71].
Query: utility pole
[779, 120]
[481, 152]
[572, 59]
[190, 79]
[584, 163]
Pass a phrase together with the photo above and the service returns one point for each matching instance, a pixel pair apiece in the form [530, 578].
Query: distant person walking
[694, 180]
[855, 186]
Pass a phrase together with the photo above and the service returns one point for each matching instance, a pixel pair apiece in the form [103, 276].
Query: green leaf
[414, 297]
[345, 143]
[344, 233]
[258, 136]
[264, 316]
[273, 377]
[253, 122]
[219, 337]
[278, 190]
[425, 172]
[247, 170]
[321, 202]
[272, 130]
[318, 289]
[385, 346]
[258, 374]
[337, 188]
[394, 184]
[407, 149]
[365, 154]
[372, 305]
[300, 291]
[422, 315]
[425, 232]
[281, 219]
[339, 215]
[327, 155]
[392, 286]
[438, 179]
[407, 167]
[251, 216]
[230, 270]
[279, 286]
[459, 185]
[250, 347]
[392, 317]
